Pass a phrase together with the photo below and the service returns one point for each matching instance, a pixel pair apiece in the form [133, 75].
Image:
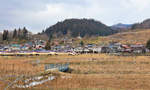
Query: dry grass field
[130, 37]
[88, 72]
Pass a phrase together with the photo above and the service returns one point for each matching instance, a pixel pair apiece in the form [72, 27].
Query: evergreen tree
[48, 46]
[82, 43]
[48, 43]
[19, 33]
[14, 34]
[5, 35]
[148, 44]
[24, 33]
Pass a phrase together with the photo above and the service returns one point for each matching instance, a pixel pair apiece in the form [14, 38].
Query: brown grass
[130, 37]
[88, 71]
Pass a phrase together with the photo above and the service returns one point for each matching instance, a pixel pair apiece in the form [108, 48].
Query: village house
[105, 49]
[1, 48]
[126, 48]
[15, 47]
[97, 50]
[25, 48]
[78, 50]
[118, 47]
[86, 50]
[39, 44]
[6, 48]
[111, 48]
[57, 48]
[138, 48]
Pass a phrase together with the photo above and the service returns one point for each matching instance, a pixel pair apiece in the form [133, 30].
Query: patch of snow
[34, 83]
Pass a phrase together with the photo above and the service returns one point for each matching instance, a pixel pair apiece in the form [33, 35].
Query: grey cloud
[39, 14]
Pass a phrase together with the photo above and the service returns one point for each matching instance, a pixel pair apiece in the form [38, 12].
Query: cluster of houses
[118, 47]
[115, 47]
[36, 45]
[112, 48]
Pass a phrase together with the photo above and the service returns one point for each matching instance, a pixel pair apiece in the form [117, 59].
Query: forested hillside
[143, 25]
[82, 27]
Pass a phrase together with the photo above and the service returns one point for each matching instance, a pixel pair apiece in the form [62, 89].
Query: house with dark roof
[138, 48]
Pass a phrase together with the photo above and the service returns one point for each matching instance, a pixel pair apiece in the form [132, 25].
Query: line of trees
[20, 34]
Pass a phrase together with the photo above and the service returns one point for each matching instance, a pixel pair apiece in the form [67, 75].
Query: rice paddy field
[87, 72]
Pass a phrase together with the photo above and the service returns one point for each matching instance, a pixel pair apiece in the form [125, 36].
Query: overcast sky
[36, 15]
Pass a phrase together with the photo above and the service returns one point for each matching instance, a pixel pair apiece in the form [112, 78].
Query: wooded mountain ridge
[79, 27]
[73, 28]
[143, 25]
